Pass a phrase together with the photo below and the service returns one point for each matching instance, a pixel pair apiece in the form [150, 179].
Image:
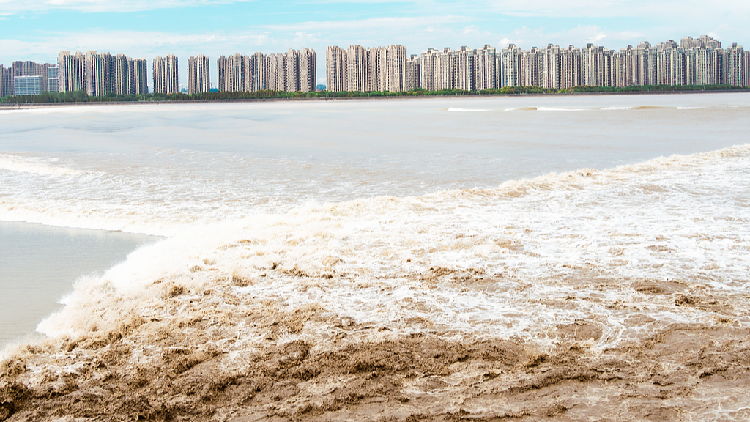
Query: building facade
[27, 85]
[413, 73]
[464, 69]
[293, 71]
[360, 69]
[100, 74]
[23, 69]
[53, 81]
[5, 83]
[166, 75]
[199, 80]
[699, 61]
[308, 62]
[336, 69]
[72, 71]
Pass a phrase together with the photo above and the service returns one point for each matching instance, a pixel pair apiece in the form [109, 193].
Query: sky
[39, 29]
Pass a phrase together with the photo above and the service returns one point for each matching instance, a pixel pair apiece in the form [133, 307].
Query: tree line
[83, 97]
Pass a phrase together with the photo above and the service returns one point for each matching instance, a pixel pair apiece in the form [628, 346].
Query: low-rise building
[27, 85]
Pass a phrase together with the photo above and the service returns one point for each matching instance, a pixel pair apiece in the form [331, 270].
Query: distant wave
[560, 109]
[617, 108]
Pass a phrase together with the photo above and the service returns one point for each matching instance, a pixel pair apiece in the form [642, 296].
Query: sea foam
[492, 262]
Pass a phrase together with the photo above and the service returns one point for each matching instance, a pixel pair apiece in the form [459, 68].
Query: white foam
[21, 164]
[673, 218]
[560, 109]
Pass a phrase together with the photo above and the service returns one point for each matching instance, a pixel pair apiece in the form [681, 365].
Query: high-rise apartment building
[550, 67]
[122, 74]
[431, 70]
[366, 69]
[72, 71]
[487, 72]
[735, 65]
[461, 69]
[529, 74]
[307, 71]
[413, 73]
[28, 68]
[166, 75]
[699, 61]
[511, 66]
[293, 71]
[336, 69]
[199, 80]
[258, 68]
[395, 75]
[358, 69]
[272, 64]
[5, 88]
[570, 67]
[692, 61]
[277, 72]
[231, 73]
[32, 77]
[291, 76]
[139, 85]
[465, 69]
[22, 69]
[100, 74]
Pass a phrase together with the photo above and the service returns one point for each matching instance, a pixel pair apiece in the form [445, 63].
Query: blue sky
[39, 29]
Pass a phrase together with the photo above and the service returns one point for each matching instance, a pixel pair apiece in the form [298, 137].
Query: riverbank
[364, 97]
[40, 264]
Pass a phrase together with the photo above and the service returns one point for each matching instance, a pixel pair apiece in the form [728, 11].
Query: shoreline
[33, 291]
[20, 106]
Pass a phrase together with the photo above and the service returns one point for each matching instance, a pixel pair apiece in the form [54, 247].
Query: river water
[533, 189]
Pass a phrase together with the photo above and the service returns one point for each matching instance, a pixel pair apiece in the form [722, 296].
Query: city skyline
[37, 30]
[692, 61]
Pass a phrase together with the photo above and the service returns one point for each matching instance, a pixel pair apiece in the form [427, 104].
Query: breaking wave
[500, 262]
[20, 164]
[573, 284]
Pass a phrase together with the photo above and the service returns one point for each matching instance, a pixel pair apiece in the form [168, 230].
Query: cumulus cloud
[20, 6]
[133, 43]
[364, 25]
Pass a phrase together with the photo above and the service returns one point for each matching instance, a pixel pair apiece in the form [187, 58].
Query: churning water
[532, 189]
[317, 225]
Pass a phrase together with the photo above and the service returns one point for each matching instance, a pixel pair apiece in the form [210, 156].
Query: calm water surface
[40, 263]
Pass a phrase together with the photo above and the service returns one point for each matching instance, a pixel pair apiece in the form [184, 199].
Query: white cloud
[19, 6]
[136, 44]
[363, 25]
